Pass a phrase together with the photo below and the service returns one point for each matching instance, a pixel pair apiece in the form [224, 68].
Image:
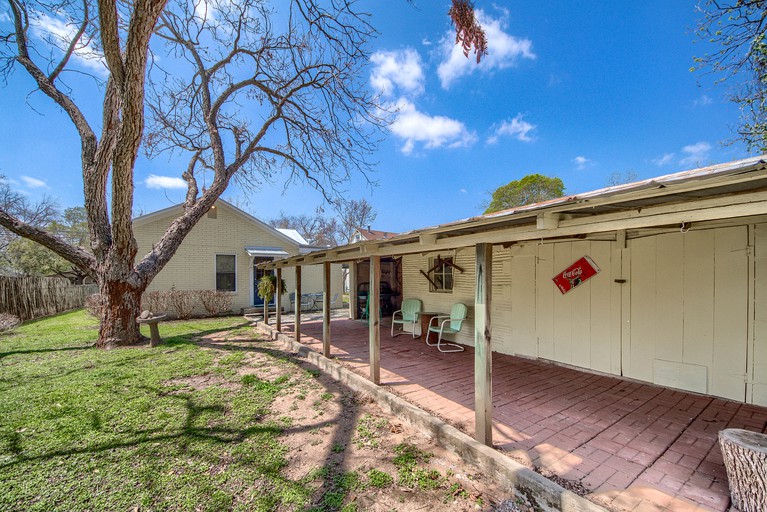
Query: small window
[441, 274]
[226, 275]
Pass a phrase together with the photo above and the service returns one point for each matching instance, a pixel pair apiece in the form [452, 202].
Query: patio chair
[409, 313]
[308, 301]
[366, 312]
[448, 324]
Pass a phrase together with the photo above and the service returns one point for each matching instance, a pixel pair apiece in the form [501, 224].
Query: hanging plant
[267, 287]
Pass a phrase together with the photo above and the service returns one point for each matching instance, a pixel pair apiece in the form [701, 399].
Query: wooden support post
[483, 346]
[353, 290]
[374, 318]
[298, 303]
[326, 309]
[278, 301]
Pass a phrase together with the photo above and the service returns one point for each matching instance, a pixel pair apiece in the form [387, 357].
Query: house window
[226, 274]
[441, 274]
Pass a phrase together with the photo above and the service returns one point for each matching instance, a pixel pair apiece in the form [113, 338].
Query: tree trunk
[121, 307]
[745, 458]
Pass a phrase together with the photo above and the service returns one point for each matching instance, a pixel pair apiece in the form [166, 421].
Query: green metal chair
[448, 324]
[366, 312]
[409, 313]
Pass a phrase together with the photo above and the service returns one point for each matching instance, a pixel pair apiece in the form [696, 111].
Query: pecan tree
[245, 90]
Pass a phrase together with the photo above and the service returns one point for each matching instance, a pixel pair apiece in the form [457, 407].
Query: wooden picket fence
[33, 297]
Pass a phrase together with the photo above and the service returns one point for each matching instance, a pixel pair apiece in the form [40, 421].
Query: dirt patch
[347, 449]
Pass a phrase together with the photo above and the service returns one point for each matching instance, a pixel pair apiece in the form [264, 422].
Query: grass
[88, 429]
[177, 427]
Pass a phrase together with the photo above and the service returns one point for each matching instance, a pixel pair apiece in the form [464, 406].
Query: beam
[427, 239]
[374, 320]
[326, 309]
[720, 207]
[547, 220]
[278, 301]
[298, 304]
[483, 346]
[353, 290]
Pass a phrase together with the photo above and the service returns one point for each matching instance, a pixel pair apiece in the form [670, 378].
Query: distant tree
[621, 178]
[738, 29]
[354, 215]
[533, 188]
[319, 229]
[316, 229]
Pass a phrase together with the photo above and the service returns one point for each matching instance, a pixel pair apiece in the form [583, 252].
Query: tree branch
[75, 255]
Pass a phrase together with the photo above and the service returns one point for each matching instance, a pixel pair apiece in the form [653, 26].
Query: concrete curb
[540, 491]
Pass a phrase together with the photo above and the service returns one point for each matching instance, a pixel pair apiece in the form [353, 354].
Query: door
[581, 327]
[258, 273]
[689, 311]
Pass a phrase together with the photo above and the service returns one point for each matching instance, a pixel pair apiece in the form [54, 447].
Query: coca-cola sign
[576, 274]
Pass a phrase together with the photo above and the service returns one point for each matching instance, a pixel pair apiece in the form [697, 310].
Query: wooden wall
[691, 314]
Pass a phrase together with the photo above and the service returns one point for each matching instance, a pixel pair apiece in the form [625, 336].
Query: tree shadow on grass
[44, 350]
[334, 488]
[196, 430]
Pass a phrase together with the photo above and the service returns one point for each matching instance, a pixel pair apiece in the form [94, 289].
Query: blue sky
[574, 90]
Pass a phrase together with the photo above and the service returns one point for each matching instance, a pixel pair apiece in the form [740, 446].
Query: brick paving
[632, 446]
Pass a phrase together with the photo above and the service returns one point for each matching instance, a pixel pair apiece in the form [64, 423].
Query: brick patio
[632, 446]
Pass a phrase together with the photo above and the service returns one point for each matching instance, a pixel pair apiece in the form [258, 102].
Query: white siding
[679, 319]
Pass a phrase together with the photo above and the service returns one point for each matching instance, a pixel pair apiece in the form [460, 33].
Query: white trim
[215, 271]
[266, 252]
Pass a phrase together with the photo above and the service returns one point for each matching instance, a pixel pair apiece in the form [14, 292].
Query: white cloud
[517, 128]
[503, 51]
[60, 32]
[4, 16]
[161, 182]
[665, 159]
[433, 131]
[463, 191]
[33, 182]
[581, 162]
[397, 71]
[696, 154]
[702, 101]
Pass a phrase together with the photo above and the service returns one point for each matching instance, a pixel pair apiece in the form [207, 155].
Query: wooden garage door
[689, 311]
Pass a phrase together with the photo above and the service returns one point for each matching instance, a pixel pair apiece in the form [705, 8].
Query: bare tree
[246, 90]
[353, 215]
[316, 229]
[319, 229]
[621, 178]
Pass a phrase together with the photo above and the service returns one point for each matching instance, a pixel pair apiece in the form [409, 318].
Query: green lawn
[87, 429]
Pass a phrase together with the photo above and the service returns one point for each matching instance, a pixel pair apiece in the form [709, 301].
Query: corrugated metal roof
[685, 186]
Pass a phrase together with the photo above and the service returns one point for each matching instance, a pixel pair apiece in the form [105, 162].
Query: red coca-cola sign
[575, 274]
